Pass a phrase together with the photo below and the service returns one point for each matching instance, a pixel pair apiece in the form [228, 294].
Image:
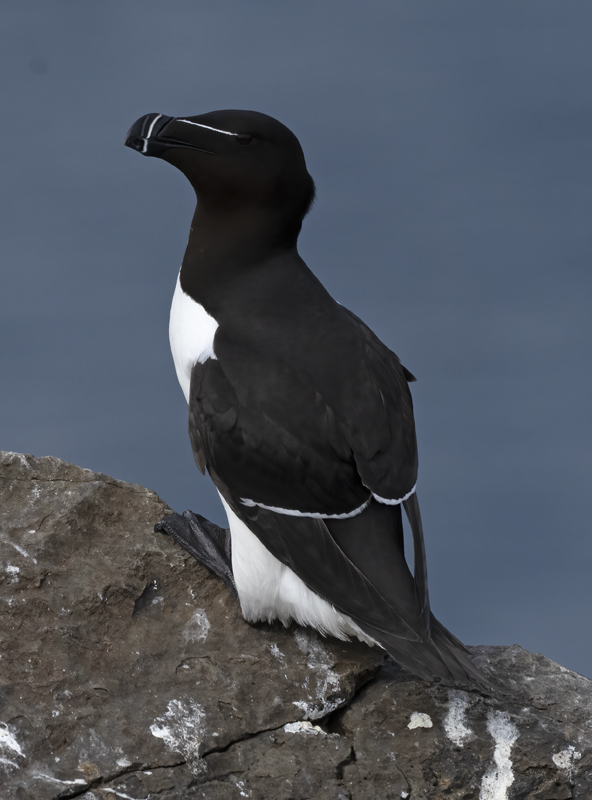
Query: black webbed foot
[207, 543]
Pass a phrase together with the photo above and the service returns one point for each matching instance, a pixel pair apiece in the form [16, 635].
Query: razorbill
[302, 417]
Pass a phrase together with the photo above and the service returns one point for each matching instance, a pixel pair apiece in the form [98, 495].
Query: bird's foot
[207, 543]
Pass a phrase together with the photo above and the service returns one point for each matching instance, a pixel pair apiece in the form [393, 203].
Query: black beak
[148, 136]
[143, 135]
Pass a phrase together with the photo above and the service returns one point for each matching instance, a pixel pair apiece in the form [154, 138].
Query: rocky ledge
[127, 671]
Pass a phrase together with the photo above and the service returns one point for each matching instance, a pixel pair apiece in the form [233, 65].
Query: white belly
[269, 590]
[191, 334]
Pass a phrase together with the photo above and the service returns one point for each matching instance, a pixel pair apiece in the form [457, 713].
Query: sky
[451, 148]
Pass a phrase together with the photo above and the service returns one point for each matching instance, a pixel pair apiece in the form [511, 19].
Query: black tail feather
[421, 566]
[358, 565]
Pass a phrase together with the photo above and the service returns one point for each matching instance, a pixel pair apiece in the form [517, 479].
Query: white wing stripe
[290, 512]
[394, 502]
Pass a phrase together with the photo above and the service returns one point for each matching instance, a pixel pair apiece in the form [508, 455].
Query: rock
[121, 653]
[127, 671]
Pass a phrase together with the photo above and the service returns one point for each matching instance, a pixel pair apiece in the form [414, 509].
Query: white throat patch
[191, 335]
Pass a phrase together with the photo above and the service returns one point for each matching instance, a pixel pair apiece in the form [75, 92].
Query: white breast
[191, 334]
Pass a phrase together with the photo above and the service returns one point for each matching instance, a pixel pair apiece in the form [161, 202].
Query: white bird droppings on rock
[118, 794]
[21, 550]
[182, 730]
[277, 653]
[419, 720]
[498, 779]
[197, 628]
[7, 740]
[303, 727]
[324, 698]
[76, 782]
[566, 759]
[455, 720]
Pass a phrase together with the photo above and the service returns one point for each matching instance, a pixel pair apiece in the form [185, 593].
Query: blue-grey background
[451, 147]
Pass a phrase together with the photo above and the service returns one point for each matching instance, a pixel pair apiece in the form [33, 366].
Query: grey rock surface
[127, 671]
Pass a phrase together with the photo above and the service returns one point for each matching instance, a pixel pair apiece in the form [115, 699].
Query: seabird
[302, 417]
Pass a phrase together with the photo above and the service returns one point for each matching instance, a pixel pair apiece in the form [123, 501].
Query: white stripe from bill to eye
[394, 502]
[290, 512]
[209, 127]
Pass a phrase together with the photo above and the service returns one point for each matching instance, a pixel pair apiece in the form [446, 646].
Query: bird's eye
[244, 138]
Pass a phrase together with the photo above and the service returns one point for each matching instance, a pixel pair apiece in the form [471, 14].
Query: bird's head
[233, 159]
